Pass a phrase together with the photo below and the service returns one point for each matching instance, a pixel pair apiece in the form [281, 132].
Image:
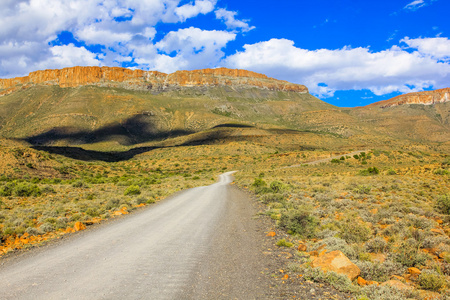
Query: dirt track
[204, 243]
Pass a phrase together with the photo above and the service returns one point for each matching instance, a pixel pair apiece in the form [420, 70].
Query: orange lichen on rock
[336, 261]
[79, 226]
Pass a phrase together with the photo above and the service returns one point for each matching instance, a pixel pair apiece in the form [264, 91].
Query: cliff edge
[147, 80]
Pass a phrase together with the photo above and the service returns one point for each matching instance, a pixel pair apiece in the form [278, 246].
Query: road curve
[191, 246]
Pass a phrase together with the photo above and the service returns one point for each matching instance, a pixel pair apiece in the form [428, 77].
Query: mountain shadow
[137, 129]
[90, 155]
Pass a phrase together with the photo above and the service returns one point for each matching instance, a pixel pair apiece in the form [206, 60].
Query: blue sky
[348, 53]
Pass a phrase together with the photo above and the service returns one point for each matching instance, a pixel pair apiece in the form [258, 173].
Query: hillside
[115, 108]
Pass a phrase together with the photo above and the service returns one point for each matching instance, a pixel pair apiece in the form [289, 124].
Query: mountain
[424, 98]
[88, 105]
[118, 108]
[147, 80]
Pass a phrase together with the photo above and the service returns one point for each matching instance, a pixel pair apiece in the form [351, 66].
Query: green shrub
[7, 189]
[338, 281]
[376, 245]
[271, 197]
[132, 190]
[431, 280]
[354, 231]
[79, 184]
[391, 172]
[369, 171]
[259, 182]
[441, 172]
[362, 189]
[408, 253]
[335, 161]
[356, 156]
[299, 221]
[276, 186]
[284, 243]
[26, 190]
[380, 271]
[443, 204]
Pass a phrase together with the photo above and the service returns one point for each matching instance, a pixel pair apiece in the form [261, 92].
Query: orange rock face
[336, 261]
[113, 76]
[426, 98]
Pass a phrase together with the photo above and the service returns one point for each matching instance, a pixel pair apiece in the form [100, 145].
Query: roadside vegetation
[388, 212]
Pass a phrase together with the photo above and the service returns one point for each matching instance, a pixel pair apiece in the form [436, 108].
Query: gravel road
[198, 244]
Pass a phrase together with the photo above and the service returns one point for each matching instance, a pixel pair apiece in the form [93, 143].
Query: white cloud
[191, 48]
[416, 4]
[68, 56]
[191, 10]
[381, 72]
[230, 21]
[436, 47]
[122, 27]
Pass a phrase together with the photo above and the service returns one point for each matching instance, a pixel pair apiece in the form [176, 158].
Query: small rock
[79, 226]
[397, 284]
[336, 261]
[377, 257]
[272, 234]
[414, 271]
[302, 247]
[361, 281]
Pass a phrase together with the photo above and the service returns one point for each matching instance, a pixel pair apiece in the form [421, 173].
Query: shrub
[431, 280]
[47, 227]
[26, 190]
[335, 161]
[132, 190]
[284, 243]
[353, 231]
[369, 171]
[271, 197]
[259, 182]
[376, 245]
[443, 204]
[33, 231]
[276, 186]
[92, 212]
[441, 172]
[338, 281]
[362, 189]
[380, 271]
[7, 189]
[391, 172]
[299, 221]
[374, 292]
[408, 253]
[79, 184]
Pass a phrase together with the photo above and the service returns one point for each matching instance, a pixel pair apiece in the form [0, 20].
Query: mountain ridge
[425, 98]
[147, 80]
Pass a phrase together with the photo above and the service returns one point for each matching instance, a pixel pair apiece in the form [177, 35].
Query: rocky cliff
[425, 98]
[147, 80]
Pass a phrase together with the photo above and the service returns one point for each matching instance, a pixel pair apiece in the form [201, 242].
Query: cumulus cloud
[191, 10]
[325, 71]
[191, 48]
[229, 18]
[123, 29]
[438, 47]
